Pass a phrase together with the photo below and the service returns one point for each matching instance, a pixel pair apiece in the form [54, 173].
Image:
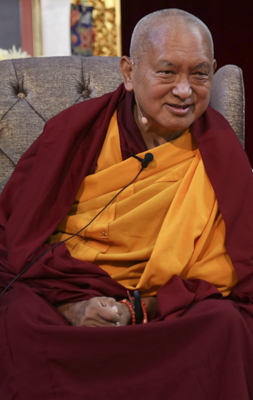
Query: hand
[98, 311]
[151, 303]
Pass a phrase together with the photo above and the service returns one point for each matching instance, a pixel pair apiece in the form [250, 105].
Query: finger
[96, 320]
[108, 314]
[96, 312]
[124, 314]
[115, 309]
[100, 311]
[108, 302]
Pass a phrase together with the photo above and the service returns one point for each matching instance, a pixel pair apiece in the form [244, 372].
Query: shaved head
[170, 72]
[146, 32]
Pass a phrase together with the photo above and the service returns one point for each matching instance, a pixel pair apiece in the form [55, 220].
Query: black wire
[75, 234]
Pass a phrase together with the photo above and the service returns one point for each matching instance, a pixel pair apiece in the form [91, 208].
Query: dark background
[231, 24]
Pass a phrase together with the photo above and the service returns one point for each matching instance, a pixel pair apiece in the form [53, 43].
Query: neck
[151, 136]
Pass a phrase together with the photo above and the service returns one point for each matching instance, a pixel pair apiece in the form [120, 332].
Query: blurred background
[104, 27]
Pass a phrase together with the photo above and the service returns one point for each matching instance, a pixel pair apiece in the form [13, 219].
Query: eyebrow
[202, 65]
[167, 63]
[170, 64]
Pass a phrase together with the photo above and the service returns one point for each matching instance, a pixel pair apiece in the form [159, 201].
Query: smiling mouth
[179, 107]
[179, 110]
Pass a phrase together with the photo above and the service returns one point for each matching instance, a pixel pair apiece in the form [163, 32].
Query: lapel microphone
[144, 161]
[143, 119]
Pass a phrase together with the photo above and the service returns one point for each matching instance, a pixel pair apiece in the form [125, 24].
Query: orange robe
[166, 223]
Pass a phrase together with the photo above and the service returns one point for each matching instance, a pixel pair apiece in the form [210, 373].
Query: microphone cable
[144, 162]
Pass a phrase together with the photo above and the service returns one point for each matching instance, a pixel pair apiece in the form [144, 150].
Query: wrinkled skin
[175, 71]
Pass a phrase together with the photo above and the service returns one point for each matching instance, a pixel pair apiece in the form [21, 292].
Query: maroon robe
[198, 345]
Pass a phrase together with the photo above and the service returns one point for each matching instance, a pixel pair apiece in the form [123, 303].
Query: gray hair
[139, 41]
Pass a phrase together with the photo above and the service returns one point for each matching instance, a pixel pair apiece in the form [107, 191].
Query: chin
[184, 124]
[179, 127]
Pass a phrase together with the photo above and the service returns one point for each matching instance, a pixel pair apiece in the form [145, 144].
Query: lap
[177, 358]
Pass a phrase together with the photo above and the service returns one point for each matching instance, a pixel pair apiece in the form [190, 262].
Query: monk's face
[172, 81]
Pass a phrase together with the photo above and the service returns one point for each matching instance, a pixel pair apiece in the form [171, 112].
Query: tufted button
[86, 93]
[21, 95]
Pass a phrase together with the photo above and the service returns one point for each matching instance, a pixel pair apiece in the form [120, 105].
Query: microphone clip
[144, 161]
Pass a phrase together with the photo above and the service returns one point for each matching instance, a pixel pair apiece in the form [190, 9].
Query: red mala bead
[131, 309]
[145, 312]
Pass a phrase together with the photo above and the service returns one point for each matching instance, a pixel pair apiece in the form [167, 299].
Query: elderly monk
[95, 226]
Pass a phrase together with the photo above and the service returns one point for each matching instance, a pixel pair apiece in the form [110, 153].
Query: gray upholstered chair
[34, 90]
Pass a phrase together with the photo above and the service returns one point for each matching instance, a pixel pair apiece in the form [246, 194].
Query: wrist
[137, 308]
[128, 313]
[151, 303]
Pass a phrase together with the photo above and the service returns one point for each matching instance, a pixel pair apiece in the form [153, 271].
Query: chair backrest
[33, 90]
[228, 98]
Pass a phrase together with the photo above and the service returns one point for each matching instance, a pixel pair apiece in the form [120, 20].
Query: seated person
[86, 225]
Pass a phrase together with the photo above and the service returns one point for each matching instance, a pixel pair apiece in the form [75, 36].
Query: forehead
[177, 43]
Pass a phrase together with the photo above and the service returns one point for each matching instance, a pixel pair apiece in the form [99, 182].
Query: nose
[182, 89]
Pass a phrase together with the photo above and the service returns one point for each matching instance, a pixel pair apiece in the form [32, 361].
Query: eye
[167, 72]
[166, 75]
[201, 75]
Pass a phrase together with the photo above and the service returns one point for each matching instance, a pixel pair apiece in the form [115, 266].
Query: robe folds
[197, 346]
[139, 237]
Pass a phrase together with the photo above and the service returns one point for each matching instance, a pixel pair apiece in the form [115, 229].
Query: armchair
[33, 90]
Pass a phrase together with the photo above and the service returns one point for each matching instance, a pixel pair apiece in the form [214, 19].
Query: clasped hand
[98, 311]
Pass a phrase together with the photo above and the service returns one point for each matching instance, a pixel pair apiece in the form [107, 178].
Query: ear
[126, 68]
[214, 65]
